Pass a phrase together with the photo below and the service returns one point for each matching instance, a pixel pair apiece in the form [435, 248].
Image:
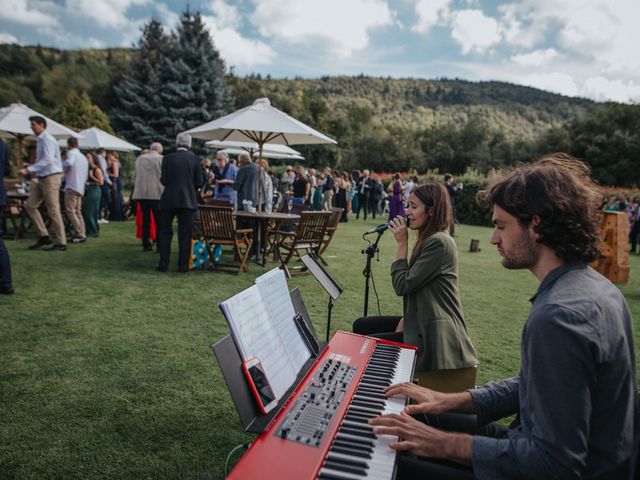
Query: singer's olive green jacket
[433, 319]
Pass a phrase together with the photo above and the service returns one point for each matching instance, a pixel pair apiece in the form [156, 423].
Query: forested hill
[519, 112]
[42, 78]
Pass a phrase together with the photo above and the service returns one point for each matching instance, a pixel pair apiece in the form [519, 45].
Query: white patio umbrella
[252, 146]
[260, 123]
[14, 123]
[94, 137]
[265, 154]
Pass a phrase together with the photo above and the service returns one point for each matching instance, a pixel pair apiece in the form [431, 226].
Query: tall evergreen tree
[194, 88]
[140, 114]
[79, 112]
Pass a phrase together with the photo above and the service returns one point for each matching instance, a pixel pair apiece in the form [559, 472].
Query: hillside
[519, 112]
[42, 77]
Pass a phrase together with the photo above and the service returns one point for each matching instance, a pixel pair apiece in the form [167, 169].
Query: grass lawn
[107, 370]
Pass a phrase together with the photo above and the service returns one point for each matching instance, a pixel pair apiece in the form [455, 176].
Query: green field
[107, 370]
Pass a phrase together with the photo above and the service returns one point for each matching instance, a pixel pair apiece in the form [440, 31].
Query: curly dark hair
[559, 190]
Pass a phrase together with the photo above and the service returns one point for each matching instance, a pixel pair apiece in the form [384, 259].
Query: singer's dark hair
[439, 213]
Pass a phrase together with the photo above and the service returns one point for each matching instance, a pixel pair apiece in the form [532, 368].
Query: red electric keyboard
[322, 430]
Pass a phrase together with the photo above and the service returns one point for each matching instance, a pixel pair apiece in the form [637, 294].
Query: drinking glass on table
[290, 204]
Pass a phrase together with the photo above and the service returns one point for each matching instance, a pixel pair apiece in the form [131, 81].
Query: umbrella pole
[18, 161]
[260, 186]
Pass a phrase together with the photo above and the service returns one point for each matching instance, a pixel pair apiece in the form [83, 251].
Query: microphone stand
[370, 252]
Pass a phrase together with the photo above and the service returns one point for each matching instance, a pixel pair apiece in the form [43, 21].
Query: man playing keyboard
[576, 395]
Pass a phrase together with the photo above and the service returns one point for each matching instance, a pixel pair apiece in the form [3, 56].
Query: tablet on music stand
[330, 285]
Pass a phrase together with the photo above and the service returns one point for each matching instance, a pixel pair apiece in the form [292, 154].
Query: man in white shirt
[76, 172]
[48, 171]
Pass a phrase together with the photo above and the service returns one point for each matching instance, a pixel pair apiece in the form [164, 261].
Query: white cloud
[556, 82]
[168, 17]
[431, 13]
[536, 58]
[235, 49]
[601, 89]
[604, 31]
[106, 13]
[226, 16]
[514, 31]
[239, 51]
[8, 38]
[29, 12]
[474, 31]
[343, 26]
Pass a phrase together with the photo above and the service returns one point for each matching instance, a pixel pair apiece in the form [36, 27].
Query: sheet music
[255, 334]
[274, 289]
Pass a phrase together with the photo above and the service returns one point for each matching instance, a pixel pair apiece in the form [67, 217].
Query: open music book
[261, 319]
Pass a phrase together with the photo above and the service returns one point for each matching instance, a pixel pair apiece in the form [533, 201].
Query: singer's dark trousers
[165, 235]
[379, 327]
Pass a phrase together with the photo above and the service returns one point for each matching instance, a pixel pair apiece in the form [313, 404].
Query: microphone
[379, 229]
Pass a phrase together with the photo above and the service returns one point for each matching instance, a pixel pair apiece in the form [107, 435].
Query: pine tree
[79, 112]
[194, 89]
[174, 83]
[140, 114]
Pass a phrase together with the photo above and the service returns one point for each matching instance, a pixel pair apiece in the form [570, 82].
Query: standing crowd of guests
[76, 187]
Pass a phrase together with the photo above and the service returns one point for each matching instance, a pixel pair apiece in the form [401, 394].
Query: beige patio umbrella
[263, 124]
[14, 123]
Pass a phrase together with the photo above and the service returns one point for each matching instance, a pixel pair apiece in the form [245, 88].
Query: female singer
[427, 281]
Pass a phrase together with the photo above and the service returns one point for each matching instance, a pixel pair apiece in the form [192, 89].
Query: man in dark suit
[5, 266]
[365, 185]
[182, 177]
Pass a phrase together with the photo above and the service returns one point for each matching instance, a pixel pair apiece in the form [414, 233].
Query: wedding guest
[76, 172]
[6, 286]
[147, 189]
[46, 188]
[181, 176]
[225, 174]
[113, 169]
[93, 197]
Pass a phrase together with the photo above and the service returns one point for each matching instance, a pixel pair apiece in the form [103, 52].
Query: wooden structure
[219, 228]
[614, 259]
[308, 236]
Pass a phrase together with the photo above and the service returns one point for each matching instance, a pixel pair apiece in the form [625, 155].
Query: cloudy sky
[583, 48]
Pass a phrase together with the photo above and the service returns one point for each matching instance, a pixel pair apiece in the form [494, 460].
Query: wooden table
[20, 218]
[261, 220]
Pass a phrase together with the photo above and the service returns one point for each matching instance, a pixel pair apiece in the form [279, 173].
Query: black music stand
[333, 288]
[231, 366]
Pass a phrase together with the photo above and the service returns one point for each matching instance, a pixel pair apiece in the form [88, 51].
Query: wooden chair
[330, 231]
[283, 226]
[217, 203]
[219, 228]
[308, 236]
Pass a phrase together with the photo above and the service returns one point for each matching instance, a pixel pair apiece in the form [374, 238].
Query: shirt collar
[553, 275]
[182, 148]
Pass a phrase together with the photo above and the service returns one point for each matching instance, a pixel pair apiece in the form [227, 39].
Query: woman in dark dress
[301, 187]
[113, 169]
[340, 198]
[396, 202]
[92, 197]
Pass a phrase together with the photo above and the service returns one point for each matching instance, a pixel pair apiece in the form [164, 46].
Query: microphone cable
[234, 450]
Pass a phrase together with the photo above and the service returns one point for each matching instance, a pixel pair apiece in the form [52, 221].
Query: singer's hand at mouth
[399, 228]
